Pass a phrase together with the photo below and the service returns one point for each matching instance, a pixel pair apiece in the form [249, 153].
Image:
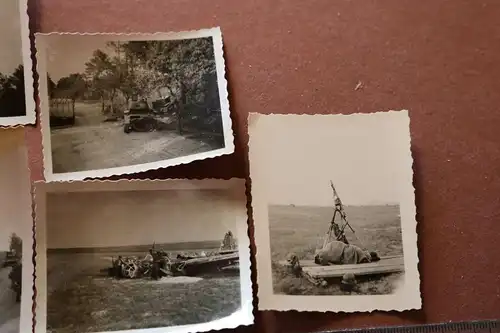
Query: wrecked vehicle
[141, 117]
[158, 263]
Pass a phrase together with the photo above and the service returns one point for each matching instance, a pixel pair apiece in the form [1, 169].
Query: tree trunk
[73, 102]
[102, 103]
[180, 111]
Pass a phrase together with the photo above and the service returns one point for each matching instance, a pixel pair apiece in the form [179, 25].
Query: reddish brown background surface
[439, 59]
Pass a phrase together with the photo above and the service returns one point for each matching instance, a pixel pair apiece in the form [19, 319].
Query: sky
[68, 53]
[15, 199]
[10, 36]
[121, 218]
[366, 157]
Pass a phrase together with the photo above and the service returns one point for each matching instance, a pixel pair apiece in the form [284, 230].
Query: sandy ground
[95, 144]
[301, 230]
[80, 295]
[9, 309]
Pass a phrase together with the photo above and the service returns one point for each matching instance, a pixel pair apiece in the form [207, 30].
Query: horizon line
[333, 206]
[134, 245]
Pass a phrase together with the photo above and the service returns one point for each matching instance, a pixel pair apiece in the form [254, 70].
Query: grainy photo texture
[11, 272]
[116, 104]
[146, 257]
[17, 105]
[16, 235]
[335, 212]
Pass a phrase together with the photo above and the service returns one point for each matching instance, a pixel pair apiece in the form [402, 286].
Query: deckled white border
[42, 45]
[242, 317]
[262, 127]
[30, 117]
[15, 141]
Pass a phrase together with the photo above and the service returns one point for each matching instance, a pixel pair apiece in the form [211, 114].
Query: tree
[130, 63]
[12, 96]
[102, 76]
[3, 81]
[16, 244]
[123, 64]
[181, 66]
[72, 86]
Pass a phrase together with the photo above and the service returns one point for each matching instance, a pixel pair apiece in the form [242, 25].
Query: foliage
[72, 86]
[12, 96]
[182, 66]
[16, 244]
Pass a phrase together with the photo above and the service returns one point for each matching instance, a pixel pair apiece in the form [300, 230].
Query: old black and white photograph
[11, 249]
[16, 235]
[17, 104]
[337, 225]
[336, 249]
[119, 104]
[143, 256]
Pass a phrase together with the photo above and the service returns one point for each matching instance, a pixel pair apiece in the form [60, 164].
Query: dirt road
[95, 144]
[9, 309]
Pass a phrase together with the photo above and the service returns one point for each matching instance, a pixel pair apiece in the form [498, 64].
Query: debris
[158, 263]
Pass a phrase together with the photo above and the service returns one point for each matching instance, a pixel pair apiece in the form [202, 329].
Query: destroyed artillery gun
[319, 275]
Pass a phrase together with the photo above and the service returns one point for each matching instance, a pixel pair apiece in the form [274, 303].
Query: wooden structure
[386, 265]
[62, 112]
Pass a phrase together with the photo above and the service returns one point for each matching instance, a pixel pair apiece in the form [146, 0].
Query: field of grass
[81, 296]
[9, 309]
[301, 230]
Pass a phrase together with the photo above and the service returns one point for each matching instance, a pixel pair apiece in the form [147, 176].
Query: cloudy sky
[10, 36]
[99, 219]
[366, 156]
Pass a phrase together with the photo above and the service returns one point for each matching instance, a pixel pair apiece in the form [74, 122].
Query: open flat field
[80, 295]
[94, 144]
[9, 309]
[301, 230]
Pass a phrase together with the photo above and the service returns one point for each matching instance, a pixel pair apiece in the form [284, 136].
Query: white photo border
[243, 317]
[407, 297]
[41, 43]
[30, 117]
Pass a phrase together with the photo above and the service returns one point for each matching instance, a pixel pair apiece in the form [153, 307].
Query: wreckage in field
[320, 274]
[159, 263]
